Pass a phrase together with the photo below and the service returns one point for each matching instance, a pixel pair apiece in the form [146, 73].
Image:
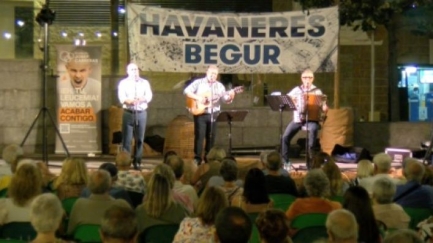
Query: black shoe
[137, 167]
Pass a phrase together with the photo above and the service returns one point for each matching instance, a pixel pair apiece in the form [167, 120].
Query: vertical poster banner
[79, 99]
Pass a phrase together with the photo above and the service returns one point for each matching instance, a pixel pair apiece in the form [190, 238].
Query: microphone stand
[211, 116]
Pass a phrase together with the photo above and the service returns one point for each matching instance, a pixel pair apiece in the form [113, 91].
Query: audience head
[123, 159]
[273, 161]
[263, 157]
[166, 172]
[364, 168]
[427, 179]
[111, 169]
[119, 224]
[233, 226]
[357, 200]
[99, 182]
[229, 170]
[383, 190]
[334, 175]
[341, 226]
[273, 226]
[10, 155]
[159, 195]
[403, 236]
[413, 170]
[74, 171]
[26, 183]
[216, 153]
[211, 202]
[168, 154]
[320, 159]
[255, 191]
[316, 183]
[177, 165]
[46, 213]
[382, 163]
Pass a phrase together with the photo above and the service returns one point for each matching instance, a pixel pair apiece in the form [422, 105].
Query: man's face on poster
[78, 72]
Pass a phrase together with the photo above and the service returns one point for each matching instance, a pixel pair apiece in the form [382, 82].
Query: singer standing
[300, 119]
[134, 94]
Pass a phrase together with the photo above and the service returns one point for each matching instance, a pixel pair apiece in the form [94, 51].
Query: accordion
[309, 107]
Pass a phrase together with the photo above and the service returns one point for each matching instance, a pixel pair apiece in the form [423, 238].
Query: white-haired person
[46, 215]
[382, 167]
[385, 210]
[342, 227]
[403, 236]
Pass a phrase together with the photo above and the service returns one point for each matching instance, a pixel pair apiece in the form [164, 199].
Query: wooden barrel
[180, 137]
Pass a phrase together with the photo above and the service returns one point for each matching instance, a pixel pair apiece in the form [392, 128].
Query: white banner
[168, 40]
[79, 99]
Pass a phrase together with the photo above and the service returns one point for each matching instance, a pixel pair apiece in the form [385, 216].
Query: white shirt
[298, 92]
[202, 86]
[129, 89]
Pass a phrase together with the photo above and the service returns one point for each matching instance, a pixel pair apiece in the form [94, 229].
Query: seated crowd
[215, 205]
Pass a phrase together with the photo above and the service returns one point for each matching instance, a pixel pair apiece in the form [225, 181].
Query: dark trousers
[133, 126]
[290, 132]
[203, 129]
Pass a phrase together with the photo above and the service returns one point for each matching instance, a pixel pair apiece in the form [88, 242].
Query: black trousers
[204, 128]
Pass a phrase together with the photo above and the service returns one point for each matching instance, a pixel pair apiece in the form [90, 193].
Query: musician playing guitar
[206, 94]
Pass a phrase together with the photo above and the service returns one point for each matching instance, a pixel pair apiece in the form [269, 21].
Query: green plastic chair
[87, 233]
[163, 233]
[417, 215]
[310, 227]
[18, 231]
[282, 201]
[339, 199]
[4, 193]
[68, 203]
[255, 236]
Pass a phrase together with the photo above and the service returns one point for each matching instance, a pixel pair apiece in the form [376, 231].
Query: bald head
[413, 170]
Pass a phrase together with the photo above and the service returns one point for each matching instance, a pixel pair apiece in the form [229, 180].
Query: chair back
[339, 199]
[68, 203]
[163, 233]
[282, 201]
[87, 233]
[18, 231]
[417, 215]
[4, 193]
[255, 236]
[310, 227]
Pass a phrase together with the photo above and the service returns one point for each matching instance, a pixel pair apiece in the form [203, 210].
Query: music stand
[281, 103]
[229, 117]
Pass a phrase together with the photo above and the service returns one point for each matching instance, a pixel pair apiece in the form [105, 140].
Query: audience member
[115, 192]
[403, 236]
[26, 184]
[10, 155]
[218, 180]
[119, 225]
[319, 159]
[427, 179]
[229, 172]
[168, 154]
[47, 176]
[275, 182]
[384, 209]
[254, 198]
[273, 226]
[201, 227]
[263, 161]
[336, 183]
[357, 201]
[212, 168]
[413, 193]
[91, 210]
[46, 213]
[382, 166]
[232, 226]
[159, 206]
[181, 198]
[317, 187]
[73, 178]
[131, 181]
[364, 169]
[342, 227]
[177, 165]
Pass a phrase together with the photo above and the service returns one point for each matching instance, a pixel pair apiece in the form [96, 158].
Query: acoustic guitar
[197, 108]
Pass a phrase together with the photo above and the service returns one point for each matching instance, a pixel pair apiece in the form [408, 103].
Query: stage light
[7, 35]
[64, 34]
[115, 34]
[122, 10]
[46, 15]
[98, 34]
[20, 23]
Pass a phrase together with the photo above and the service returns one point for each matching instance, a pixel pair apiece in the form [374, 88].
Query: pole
[337, 69]
[372, 76]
